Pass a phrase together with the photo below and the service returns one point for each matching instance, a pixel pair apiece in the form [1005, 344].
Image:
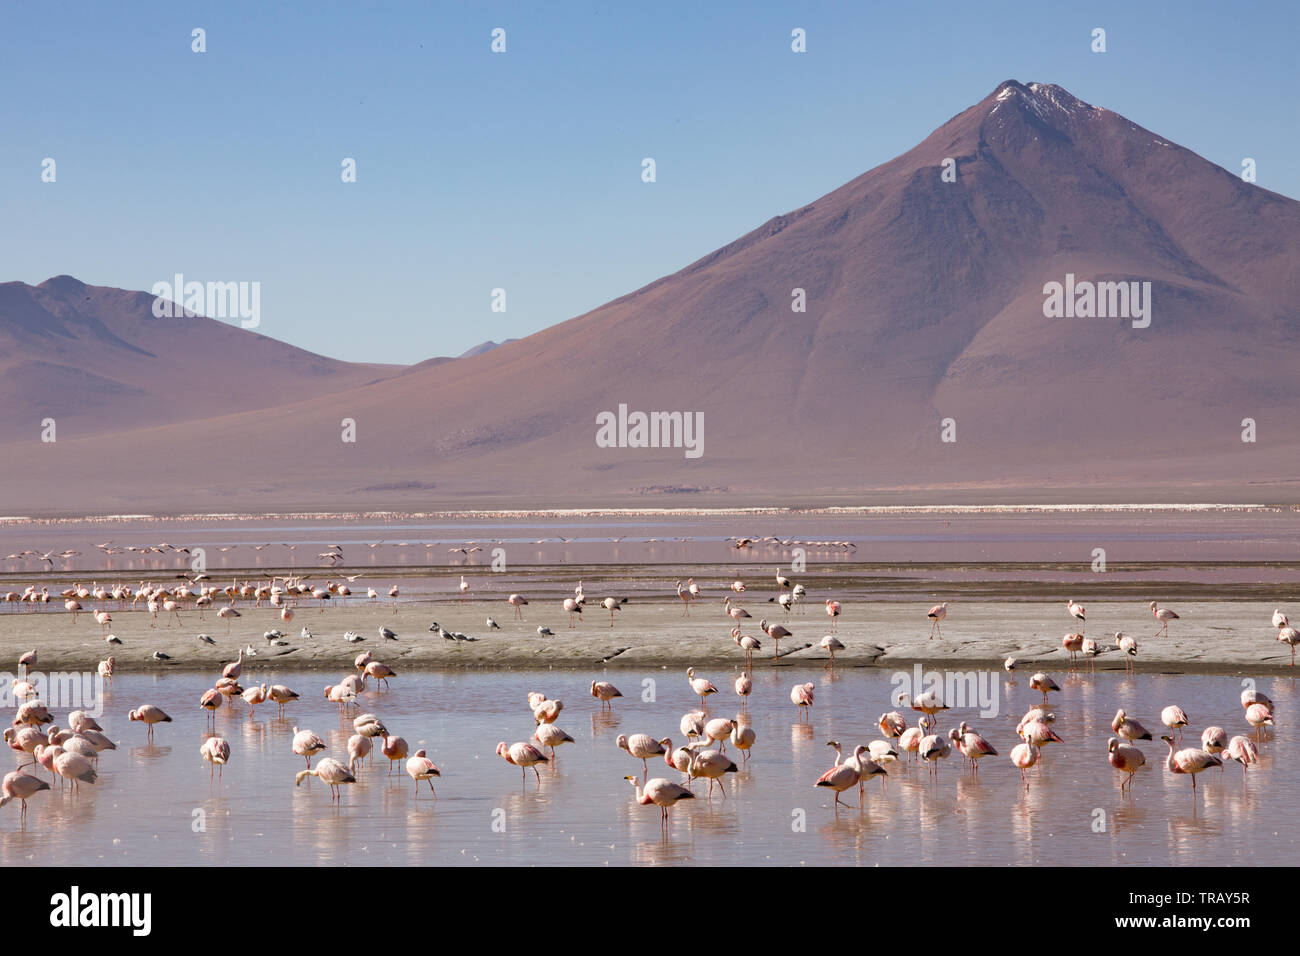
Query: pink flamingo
[971, 745]
[420, 767]
[1175, 718]
[643, 747]
[1025, 756]
[522, 755]
[699, 686]
[1189, 761]
[149, 715]
[833, 610]
[21, 787]
[306, 744]
[1244, 751]
[332, 772]
[216, 752]
[747, 644]
[661, 793]
[1164, 616]
[776, 632]
[1125, 758]
[604, 692]
[801, 695]
[517, 601]
[937, 614]
[395, 749]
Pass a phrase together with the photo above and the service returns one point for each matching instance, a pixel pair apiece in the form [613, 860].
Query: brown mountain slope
[925, 301]
[97, 360]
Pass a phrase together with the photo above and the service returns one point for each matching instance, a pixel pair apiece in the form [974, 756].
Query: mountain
[482, 347]
[97, 361]
[924, 301]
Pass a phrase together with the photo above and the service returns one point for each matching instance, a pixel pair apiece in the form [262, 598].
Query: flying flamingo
[1164, 616]
[660, 792]
[332, 772]
[1125, 758]
[937, 614]
[1189, 761]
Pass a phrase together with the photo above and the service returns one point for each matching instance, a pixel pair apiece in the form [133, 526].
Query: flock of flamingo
[71, 755]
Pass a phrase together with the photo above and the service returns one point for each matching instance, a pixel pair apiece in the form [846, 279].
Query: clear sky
[522, 170]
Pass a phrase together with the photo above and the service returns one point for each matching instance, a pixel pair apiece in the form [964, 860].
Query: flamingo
[801, 695]
[420, 767]
[393, 593]
[27, 662]
[1076, 611]
[517, 601]
[235, 668]
[712, 765]
[719, 729]
[572, 607]
[1214, 740]
[1259, 717]
[1129, 648]
[933, 748]
[660, 792]
[747, 644]
[971, 745]
[522, 755]
[742, 737]
[380, 672]
[359, 746]
[150, 715]
[1074, 644]
[684, 595]
[937, 614]
[776, 632]
[737, 614]
[75, 767]
[830, 644]
[1164, 616]
[782, 582]
[332, 772]
[833, 611]
[226, 613]
[464, 587]
[551, 736]
[1128, 728]
[216, 752]
[394, 748]
[1025, 756]
[306, 744]
[643, 747]
[604, 692]
[21, 787]
[1125, 758]
[1244, 751]
[700, 687]
[1279, 619]
[1175, 718]
[1291, 637]
[281, 695]
[1189, 761]
[1041, 682]
[1009, 665]
[842, 776]
[611, 605]
[744, 686]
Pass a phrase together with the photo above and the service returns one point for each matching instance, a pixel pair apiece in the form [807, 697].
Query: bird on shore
[1128, 647]
[831, 644]
[517, 601]
[747, 644]
[1164, 616]
[776, 632]
[387, 633]
[1075, 610]
[937, 614]
[1291, 637]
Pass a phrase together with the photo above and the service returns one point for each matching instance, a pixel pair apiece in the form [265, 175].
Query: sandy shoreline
[1211, 636]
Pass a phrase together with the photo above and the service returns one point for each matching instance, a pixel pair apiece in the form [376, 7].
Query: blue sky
[522, 170]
